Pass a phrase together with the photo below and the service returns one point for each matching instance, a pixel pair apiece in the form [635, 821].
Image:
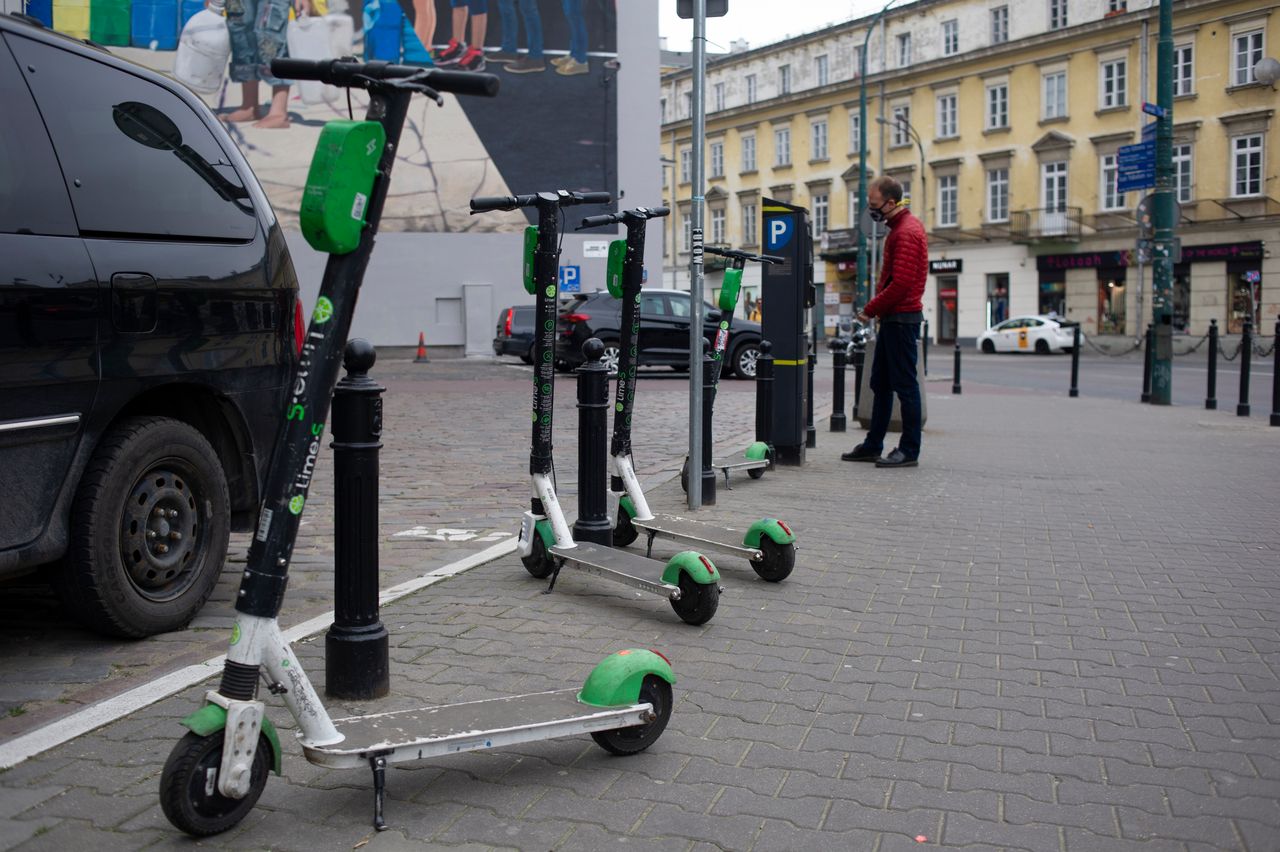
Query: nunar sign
[952, 265]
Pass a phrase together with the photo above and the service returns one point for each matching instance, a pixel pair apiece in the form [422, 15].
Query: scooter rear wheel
[189, 793]
[539, 563]
[778, 561]
[698, 601]
[655, 691]
[755, 472]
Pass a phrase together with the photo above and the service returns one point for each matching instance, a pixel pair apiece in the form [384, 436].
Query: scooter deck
[724, 539]
[617, 565]
[742, 464]
[426, 732]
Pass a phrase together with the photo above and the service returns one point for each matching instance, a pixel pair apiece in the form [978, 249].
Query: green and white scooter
[216, 772]
[768, 544]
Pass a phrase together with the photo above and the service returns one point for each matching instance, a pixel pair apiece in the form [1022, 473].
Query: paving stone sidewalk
[1059, 633]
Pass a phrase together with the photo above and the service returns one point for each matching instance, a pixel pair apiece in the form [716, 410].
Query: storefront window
[1244, 294]
[997, 298]
[947, 290]
[1053, 293]
[1182, 298]
[1111, 319]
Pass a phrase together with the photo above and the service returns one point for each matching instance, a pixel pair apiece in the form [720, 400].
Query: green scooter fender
[625, 504]
[544, 531]
[777, 531]
[615, 681]
[759, 451]
[211, 718]
[697, 566]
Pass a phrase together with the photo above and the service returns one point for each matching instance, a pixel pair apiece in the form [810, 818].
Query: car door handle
[683, 325]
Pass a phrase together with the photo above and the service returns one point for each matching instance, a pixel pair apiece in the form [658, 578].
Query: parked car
[1040, 334]
[515, 332]
[149, 328]
[664, 331]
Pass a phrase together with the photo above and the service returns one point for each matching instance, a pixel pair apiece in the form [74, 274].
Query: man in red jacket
[900, 307]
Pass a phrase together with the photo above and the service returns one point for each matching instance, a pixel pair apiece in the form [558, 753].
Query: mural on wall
[553, 125]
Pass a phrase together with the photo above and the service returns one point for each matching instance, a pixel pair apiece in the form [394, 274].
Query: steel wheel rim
[160, 531]
[747, 361]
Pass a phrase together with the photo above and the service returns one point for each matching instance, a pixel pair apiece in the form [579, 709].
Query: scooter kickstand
[648, 551]
[726, 479]
[379, 767]
[555, 572]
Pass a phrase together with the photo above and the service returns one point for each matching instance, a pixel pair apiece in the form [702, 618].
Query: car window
[1005, 326]
[33, 198]
[1035, 323]
[136, 159]
[652, 304]
[679, 305]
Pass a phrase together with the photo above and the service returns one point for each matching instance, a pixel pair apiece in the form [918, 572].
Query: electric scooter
[216, 772]
[689, 580]
[768, 543]
[758, 457]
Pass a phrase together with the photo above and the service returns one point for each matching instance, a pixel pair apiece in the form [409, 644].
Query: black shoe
[502, 56]
[861, 454]
[897, 459]
[526, 65]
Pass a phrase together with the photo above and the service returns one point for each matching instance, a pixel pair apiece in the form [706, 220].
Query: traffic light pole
[1162, 262]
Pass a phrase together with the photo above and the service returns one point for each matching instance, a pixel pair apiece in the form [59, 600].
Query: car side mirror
[713, 316]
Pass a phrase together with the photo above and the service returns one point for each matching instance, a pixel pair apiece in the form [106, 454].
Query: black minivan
[149, 323]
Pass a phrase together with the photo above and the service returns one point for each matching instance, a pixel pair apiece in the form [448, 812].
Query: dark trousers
[894, 372]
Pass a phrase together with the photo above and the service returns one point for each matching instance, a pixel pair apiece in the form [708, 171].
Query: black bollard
[859, 360]
[593, 448]
[925, 353]
[837, 423]
[356, 660]
[764, 397]
[1246, 351]
[1075, 361]
[1211, 398]
[1275, 377]
[1148, 360]
[709, 367]
[810, 433]
[955, 380]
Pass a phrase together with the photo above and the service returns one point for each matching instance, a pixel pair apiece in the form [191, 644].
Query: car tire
[149, 528]
[527, 357]
[988, 346]
[744, 359]
[1042, 347]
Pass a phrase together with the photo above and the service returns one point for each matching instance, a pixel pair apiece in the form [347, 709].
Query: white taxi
[1040, 334]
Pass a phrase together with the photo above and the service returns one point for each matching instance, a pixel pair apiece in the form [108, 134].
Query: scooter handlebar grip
[495, 202]
[771, 258]
[597, 221]
[463, 83]
[593, 198]
[301, 69]
[655, 212]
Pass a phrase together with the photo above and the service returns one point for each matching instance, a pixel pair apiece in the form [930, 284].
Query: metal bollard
[837, 423]
[1075, 362]
[708, 407]
[355, 647]
[955, 379]
[1275, 378]
[1211, 399]
[925, 352]
[859, 360]
[764, 397]
[1148, 359]
[1246, 353]
[593, 448]
[810, 433]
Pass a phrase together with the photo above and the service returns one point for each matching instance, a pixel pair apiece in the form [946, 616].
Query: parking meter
[787, 291]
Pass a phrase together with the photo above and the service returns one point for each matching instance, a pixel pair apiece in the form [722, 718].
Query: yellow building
[1006, 131]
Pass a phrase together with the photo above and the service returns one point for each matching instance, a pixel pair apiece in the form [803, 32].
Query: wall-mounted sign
[955, 264]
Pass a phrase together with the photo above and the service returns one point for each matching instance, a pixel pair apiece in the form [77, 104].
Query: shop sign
[947, 292]
[955, 264]
[1223, 251]
[1106, 259]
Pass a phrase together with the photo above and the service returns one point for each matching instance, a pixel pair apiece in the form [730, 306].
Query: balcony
[1058, 224]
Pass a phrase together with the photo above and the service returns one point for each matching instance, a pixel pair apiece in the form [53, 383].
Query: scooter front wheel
[189, 793]
[624, 532]
[539, 563]
[698, 601]
[778, 561]
[755, 472]
[655, 691]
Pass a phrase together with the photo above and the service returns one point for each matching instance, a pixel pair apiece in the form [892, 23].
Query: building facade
[1005, 131]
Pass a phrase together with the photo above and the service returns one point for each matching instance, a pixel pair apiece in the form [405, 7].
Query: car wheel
[988, 346]
[611, 356]
[527, 357]
[1042, 347]
[744, 359]
[149, 528]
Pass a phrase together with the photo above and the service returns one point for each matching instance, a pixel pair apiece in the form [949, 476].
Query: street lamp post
[924, 194]
[863, 288]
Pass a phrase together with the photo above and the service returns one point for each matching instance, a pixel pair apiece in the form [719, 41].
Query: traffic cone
[422, 350]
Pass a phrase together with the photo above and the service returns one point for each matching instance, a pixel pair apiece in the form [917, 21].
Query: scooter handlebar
[500, 202]
[562, 198]
[614, 218]
[347, 72]
[767, 258]
[597, 221]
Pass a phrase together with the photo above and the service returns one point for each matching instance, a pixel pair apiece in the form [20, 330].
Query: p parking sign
[571, 279]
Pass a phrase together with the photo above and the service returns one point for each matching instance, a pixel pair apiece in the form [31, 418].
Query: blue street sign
[1154, 109]
[1136, 165]
[780, 229]
[571, 279]
[1149, 131]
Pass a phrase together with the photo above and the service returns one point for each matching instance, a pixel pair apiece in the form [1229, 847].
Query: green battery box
[338, 186]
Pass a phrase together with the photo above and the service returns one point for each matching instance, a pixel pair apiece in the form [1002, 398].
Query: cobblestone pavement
[1059, 633]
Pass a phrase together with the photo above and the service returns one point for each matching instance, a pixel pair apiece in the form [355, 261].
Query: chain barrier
[1137, 344]
[1194, 346]
[1264, 353]
[1233, 355]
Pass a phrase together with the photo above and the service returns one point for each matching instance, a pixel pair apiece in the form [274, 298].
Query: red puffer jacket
[906, 264]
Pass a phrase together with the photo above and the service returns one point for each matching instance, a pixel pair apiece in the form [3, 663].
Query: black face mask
[877, 213]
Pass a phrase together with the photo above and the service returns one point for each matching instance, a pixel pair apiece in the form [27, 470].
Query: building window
[855, 132]
[1246, 52]
[784, 79]
[821, 213]
[818, 140]
[950, 37]
[688, 232]
[857, 60]
[749, 153]
[1055, 95]
[946, 201]
[904, 50]
[717, 159]
[1000, 25]
[1109, 194]
[685, 159]
[901, 120]
[662, 109]
[1113, 81]
[947, 116]
[1246, 165]
[906, 190]
[688, 104]
[1115, 7]
[749, 224]
[820, 68]
[782, 146]
[718, 96]
[1183, 70]
[1057, 14]
[998, 195]
[1182, 172]
[751, 88]
[997, 106]
[717, 226]
[1053, 185]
